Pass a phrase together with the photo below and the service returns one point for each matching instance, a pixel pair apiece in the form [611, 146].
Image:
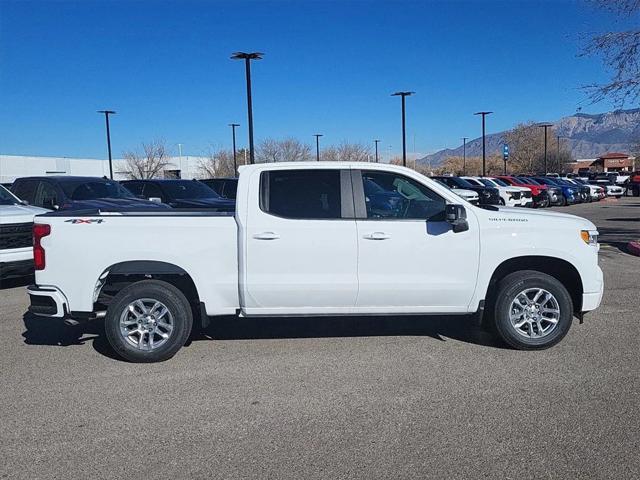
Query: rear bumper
[47, 301]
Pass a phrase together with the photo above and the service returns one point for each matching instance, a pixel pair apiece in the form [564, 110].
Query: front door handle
[266, 236]
[376, 236]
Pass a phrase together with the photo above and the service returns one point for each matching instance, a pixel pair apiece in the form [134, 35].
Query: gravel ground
[408, 397]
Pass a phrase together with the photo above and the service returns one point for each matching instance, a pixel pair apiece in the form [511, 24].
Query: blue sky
[329, 68]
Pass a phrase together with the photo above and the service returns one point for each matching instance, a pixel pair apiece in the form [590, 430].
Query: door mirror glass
[456, 215]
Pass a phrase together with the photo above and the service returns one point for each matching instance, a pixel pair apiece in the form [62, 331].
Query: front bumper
[16, 262]
[592, 300]
[47, 301]
[19, 268]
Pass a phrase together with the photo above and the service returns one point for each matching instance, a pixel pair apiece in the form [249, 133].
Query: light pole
[484, 144]
[180, 156]
[545, 126]
[233, 135]
[247, 57]
[464, 155]
[106, 119]
[317, 135]
[403, 95]
[376, 143]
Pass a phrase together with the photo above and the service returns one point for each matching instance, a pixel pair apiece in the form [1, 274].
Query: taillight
[39, 231]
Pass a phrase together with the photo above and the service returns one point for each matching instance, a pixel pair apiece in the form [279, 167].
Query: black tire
[564, 202]
[508, 289]
[501, 202]
[176, 304]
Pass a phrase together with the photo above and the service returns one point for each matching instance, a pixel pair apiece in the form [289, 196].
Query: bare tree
[287, 150]
[620, 53]
[347, 152]
[217, 164]
[149, 162]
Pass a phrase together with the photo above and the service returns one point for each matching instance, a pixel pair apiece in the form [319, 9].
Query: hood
[115, 204]
[19, 213]
[465, 193]
[543, 216]
[217, 203]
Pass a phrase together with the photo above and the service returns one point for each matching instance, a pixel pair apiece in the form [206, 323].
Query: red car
[539, 192]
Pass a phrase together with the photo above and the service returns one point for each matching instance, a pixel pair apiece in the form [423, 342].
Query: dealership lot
[378, 397]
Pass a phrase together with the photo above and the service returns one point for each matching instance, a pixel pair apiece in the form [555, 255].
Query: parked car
[509, 196]
[16, 244]
[584, 190]
[78, 193]
[633, 184]
[469, 195]
[180, 194]
[486, 195]
[526, 197]
[596, 192]
[225, 187]
[611, 189]
[541, 196]
[304, 241]
[568, 194]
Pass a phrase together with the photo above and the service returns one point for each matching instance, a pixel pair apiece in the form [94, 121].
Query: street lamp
[403, 95]
[106, 118]
[464, 155]
[484, 144]
[545, 126]
[317, 135]
[247, 57]
[376, 142]
[233, 134]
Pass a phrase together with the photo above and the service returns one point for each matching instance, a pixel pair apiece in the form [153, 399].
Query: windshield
[488, 183]
[6, 197]
[188, 189]
[94, 189]
[499, 182]
[529, 181]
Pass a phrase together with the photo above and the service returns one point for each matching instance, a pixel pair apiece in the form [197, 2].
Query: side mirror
[456, 215]
[24, 202]
[155, 199]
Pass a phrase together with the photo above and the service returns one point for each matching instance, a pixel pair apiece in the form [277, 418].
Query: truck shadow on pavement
[462, 328]
[53, 332]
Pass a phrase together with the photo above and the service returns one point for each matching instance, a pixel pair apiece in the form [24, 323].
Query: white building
[15, 166]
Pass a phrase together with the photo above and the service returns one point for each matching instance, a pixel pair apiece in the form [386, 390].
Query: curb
[634, 248]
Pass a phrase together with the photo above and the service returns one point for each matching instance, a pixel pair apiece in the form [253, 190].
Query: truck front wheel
[533, 310]
[148, 321]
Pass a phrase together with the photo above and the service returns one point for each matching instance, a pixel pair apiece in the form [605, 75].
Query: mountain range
[586, 135]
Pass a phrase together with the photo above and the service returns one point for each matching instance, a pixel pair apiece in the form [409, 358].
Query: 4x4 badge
[84, 220]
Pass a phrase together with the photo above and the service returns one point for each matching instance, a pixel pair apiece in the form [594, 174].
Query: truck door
[300, 243]
[409, 258]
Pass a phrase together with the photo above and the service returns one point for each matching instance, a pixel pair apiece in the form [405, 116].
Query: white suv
[510, 196]
[16, 245]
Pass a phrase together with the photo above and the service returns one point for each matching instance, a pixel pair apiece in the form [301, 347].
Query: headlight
[590, 237]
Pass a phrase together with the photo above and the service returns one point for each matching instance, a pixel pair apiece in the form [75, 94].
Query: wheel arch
[562, 270]
[119, 275]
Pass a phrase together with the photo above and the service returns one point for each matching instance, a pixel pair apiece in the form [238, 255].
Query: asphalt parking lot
[407, 397]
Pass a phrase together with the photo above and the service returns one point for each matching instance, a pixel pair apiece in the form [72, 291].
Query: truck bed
[79, 250]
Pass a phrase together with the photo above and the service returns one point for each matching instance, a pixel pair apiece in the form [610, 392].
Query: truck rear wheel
[533, 310]
[148, 321]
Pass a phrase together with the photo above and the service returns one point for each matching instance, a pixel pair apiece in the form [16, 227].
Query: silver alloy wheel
[534, 313]
[146, 324]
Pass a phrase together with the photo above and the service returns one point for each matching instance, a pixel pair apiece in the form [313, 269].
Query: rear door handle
[376, 236]
[266, 236]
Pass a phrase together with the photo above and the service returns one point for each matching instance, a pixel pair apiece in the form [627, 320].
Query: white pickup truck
[330, 238]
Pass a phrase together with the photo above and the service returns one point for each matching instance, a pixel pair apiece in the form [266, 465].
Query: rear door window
[301, 194]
